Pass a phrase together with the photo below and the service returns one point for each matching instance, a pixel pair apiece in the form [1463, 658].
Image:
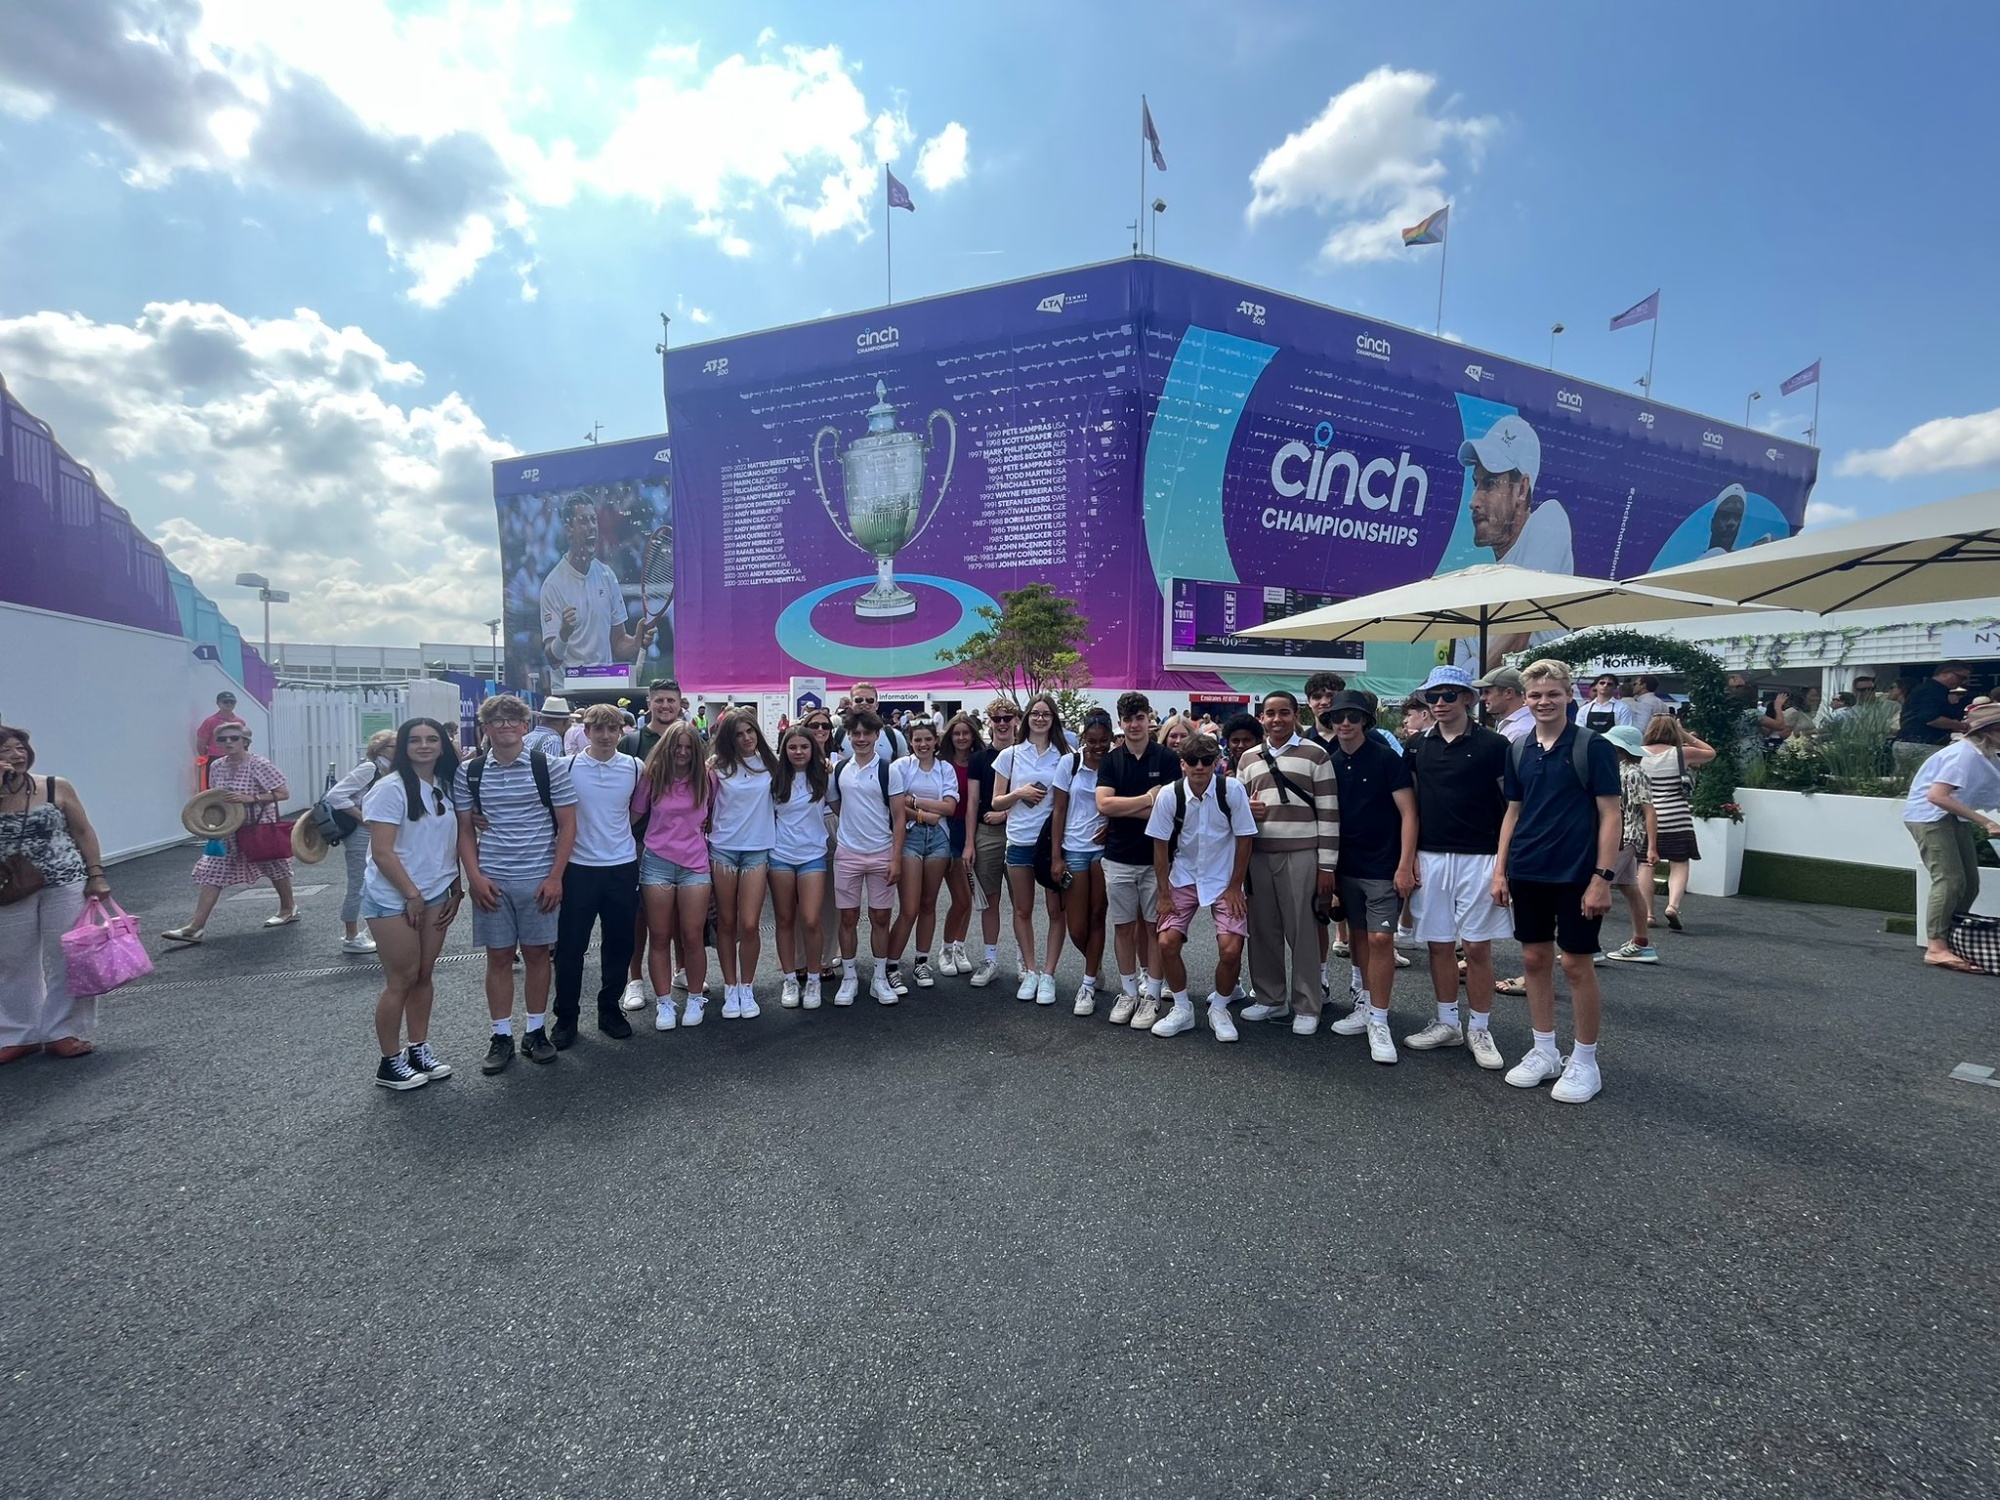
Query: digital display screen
[1204, 618]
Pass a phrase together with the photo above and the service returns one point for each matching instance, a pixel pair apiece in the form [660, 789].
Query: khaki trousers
[1282, 887]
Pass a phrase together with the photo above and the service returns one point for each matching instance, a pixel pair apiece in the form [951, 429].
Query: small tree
[1031, 644]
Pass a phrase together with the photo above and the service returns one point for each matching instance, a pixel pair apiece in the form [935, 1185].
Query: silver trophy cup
[883, 495]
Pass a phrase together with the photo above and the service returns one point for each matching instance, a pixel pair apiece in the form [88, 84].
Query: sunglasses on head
[437, 801]
[1441, 695]
[1197, 760]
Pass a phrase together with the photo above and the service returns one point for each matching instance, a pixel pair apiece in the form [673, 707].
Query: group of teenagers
[1303, 832]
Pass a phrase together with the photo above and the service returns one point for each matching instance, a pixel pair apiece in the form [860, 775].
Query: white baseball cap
[1509, 444]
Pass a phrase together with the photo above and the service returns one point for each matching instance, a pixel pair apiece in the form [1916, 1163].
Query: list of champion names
[1024, 510]
[755, 495]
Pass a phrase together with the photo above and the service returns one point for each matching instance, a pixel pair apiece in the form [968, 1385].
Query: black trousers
[593, 894]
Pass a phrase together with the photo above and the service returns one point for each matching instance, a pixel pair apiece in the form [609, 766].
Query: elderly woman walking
[1953, 791]
[258, 787]
[43, 823]
[344, 797]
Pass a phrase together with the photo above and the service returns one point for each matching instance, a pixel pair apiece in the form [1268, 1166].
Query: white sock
[1354, 985]
[993, 953]
[881, 971]
[1326, 976]
[537, 1020]
[1449, 1013]
[1479, 1020]
[1180, 998]
[1585, 1052]
[1089, 982]
[847, 968]
[504, 1028]
[1378, 1014]
[1152, 986]
[1129, 983]
[1545, 1041]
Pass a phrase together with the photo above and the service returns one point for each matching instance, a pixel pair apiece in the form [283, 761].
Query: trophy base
[891, 603]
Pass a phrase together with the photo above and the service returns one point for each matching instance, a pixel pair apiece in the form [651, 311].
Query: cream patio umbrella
[1923, 555]
[1491, 597]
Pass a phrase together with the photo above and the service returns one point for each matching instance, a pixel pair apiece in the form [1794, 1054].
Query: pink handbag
[104, 949]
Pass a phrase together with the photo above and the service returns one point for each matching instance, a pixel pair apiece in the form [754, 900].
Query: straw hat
[211, 815]
[1982, 716]
[308, 843]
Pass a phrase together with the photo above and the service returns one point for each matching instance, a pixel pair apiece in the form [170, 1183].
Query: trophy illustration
[884, 494]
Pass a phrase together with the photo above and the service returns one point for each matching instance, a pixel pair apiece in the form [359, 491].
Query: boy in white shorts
[1458, 768]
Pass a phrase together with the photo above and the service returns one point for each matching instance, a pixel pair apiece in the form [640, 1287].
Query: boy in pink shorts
[867, 852]
[1201, 828]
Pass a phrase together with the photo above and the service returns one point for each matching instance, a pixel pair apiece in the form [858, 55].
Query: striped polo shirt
[1291, 823]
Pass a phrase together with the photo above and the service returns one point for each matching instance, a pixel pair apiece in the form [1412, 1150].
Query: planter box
[1719, 871]
[1820, 825]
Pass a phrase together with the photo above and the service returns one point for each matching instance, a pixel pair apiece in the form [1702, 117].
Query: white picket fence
[320, 730]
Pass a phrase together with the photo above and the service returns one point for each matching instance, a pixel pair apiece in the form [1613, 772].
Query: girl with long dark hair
[1078, 849]
[960, 751]
[1023, 779]
[742, 831]
[410, 894]
[933, 798]
[799, 868]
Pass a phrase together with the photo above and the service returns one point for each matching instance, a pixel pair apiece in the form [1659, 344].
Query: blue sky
[382, 244]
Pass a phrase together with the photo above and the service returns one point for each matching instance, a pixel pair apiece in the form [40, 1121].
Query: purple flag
[1808, 376]
[1152, 135]
[1639, 312]
[899, 196]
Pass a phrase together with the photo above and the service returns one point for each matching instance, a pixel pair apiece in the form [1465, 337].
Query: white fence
[317, 729]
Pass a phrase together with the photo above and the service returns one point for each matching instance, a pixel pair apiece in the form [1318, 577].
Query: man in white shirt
[1506, 463]
[1201, 828]
[867, 852]
[583, 608]
[1646, 703]
[601, 881]
[1504, 695]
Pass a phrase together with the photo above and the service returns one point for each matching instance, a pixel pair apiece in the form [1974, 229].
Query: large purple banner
[850, 492]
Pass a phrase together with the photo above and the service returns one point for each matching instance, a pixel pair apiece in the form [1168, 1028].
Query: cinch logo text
[871, 339]
[1369, 345]
[1711, 440]
[1570, 400]
[1379, 483]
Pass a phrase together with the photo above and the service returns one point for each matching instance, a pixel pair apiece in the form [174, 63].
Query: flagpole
[1816, 385]
[1444, 256]
[1652, 349]
[888, 244]
[1139, 223]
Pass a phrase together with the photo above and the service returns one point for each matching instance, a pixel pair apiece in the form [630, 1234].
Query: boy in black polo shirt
[1554, 867]
[1378, 858]
[1128, 783]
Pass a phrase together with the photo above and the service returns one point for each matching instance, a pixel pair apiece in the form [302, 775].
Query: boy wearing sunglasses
[1201, 831]
[1378, 851]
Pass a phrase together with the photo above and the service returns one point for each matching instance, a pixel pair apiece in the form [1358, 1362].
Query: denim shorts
[654, 870]
[1080, 860]
[1020, 856]
[815, 866]
[739, 860]
[926, 841]
[375, 911]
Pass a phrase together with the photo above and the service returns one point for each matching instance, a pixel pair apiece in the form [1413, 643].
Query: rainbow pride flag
[1430, 231]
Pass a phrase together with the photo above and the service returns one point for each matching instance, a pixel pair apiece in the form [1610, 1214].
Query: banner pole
[888, 245]
[1817, 380]
[665, 323]
[1139, 223]
[1444, 255]
[1652, 350]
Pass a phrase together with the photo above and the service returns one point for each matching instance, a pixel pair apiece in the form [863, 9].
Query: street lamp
[1554, 329]
[1754, 396]
[270, 596]
[493, 644]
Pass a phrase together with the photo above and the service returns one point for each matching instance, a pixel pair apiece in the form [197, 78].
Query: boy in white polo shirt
[1201, 828]
[867, 852]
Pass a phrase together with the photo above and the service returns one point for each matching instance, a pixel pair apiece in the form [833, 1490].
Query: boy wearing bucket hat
[1377, 869]
[1458, 768]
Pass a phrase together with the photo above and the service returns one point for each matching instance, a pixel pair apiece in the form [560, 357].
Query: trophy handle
[819, 482]
[950, 458]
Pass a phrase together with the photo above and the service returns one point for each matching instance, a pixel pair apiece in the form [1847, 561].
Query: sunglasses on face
[1348, 716]
[1005, 719]
[1441, 695]
[1198, 760]
[231, 739]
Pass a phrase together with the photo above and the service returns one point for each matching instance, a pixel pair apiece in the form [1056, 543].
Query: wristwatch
[1607, 875]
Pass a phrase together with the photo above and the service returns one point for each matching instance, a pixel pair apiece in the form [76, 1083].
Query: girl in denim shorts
[933, 798]
[799, 872]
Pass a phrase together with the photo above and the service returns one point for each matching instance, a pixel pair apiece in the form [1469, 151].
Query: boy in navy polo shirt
[1558, 843]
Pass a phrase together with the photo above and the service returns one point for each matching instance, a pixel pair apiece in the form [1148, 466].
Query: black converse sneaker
[396, 1073]
[427, 1062]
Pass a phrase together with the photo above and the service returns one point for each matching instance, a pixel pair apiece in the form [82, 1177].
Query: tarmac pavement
[966, 1246]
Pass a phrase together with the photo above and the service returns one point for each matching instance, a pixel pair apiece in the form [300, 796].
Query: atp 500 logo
[1372, 346]
[1646, 420]
[1254, 311]
[877, 340]
[716, 367]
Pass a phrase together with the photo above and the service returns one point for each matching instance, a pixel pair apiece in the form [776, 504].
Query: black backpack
[1045, 841]
[881, 774]
[538, 767]
[1221, 784]
[1579, 754]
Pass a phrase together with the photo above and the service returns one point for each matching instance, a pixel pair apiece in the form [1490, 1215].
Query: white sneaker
[1219, 1021]
[811, 1000]
[1304, 1025]
[1406, 937]
[691, 1010]
[1148, 1013]
[1026, 989]
[1177, 1020]
[362, 944]
[1264, 1011]
[849, 985]
[1045, 990]
[1485, 1051]
[1402, 962]
[983, 975]
[884, 992]
[747, 1007]
[788, 997]
[680, 979]
[923, 973]
[1381, 1045]
[1437, 1034]
[1086, 999]
[1122, 1008]
[1353, 1023]
[947, 962]
[664, 1018]
[1578, 1085]
[1339, 950]
[731, 1006]
[962, 958]
[1536, 1069]
[634, 997]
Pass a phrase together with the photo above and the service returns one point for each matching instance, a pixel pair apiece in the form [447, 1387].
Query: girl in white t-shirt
[1023, 783]
[410, 894]
[743, 830]
[933, 798]
[799, 870]
[1079, 848]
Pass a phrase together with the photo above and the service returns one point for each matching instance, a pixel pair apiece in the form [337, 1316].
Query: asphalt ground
[968, 1246]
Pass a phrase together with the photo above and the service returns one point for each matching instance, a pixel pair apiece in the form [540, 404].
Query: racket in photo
[656, 577]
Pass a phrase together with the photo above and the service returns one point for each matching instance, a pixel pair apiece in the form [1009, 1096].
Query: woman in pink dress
[259, 788]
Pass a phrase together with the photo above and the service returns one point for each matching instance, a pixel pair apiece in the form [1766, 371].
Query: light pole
[270, 596]
[1554, 329]
[1754, 396]
[493, 646]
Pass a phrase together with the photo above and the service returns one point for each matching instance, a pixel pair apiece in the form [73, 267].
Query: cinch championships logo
[1372, 346]
[1380, 484]
[877, 340]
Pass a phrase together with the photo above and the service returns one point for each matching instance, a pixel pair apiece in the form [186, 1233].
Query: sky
[289, 276]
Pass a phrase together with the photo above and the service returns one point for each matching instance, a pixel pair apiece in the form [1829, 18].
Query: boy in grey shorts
[516, 827]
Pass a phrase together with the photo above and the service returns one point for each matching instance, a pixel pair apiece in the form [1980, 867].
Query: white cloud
[700, 315]
[1944, 443]
[1373, 158]
[1826, 513]
[941, 159]
[281, 445]
[452, 123]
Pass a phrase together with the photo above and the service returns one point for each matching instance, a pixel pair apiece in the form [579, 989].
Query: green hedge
[1828, 882]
